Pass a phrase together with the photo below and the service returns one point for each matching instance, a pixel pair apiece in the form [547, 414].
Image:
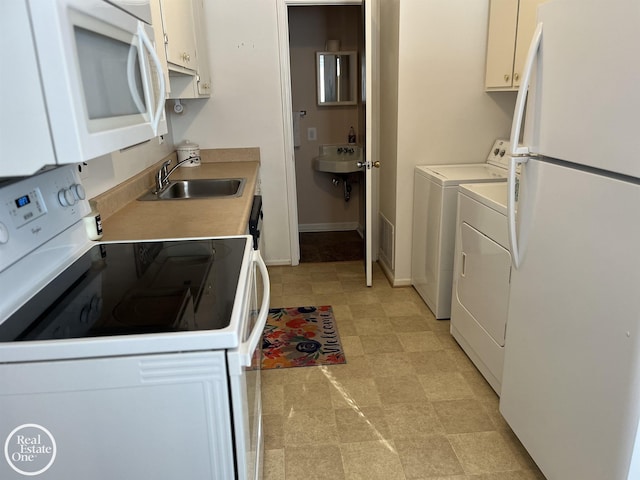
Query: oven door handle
[246, 349]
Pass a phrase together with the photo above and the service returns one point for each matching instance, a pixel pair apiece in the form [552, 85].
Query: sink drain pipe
[346, 182]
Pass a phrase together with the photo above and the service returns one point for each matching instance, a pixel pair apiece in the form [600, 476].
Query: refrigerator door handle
[512, 180]
[518, 115]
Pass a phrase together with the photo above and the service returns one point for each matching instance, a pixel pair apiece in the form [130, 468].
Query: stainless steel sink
[198, 188]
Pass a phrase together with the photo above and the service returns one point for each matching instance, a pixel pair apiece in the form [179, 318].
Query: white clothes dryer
[482, 272]
[435, 200]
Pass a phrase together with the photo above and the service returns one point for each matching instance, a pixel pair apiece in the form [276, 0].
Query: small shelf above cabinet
[511, 27]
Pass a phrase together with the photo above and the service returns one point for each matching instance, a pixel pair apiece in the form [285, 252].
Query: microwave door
[104, 88]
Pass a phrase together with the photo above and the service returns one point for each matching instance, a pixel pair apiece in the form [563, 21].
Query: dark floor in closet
[331, 246]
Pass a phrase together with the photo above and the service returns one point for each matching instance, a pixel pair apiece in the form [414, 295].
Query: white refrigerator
[571, 383]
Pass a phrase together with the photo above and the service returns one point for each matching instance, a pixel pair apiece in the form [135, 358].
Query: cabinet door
[501, 40]
[158, 36]
[24, 126]
[179, 29]
[527, 13]
[204, 76]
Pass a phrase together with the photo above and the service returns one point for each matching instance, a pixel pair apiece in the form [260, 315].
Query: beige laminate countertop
[147, 220]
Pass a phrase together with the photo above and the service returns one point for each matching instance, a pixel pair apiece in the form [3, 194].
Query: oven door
[244, 372]
[101, 76]
[160, 417]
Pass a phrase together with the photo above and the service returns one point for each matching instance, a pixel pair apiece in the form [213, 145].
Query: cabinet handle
[506, 77]
[186, 57]
[516, 77]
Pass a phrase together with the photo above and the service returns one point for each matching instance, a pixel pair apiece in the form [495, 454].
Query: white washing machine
[482, 272]
[435, 199]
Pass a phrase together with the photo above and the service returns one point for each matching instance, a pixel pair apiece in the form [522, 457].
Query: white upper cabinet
[182, 45]
[203, 83]
[511, 27]
[178, 24]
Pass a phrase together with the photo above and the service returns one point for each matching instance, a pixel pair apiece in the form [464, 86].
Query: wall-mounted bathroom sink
[198, 188]
[338, 159]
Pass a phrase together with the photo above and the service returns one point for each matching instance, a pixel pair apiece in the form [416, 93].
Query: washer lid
[493, 195]
[452, 175]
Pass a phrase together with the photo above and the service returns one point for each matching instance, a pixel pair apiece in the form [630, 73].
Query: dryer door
[483, 284]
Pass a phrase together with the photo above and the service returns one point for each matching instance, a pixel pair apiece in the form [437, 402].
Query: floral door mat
[301, 337]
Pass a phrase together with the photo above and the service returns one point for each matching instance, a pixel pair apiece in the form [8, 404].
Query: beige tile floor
[407, 405]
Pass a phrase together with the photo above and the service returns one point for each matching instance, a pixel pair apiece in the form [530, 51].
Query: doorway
[369, 123]
[330, 201]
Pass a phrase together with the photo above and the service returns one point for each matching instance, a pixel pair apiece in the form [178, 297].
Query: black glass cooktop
[134, 288]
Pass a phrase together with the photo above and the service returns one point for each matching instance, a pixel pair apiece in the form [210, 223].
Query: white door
[372, 124]
[371, 131]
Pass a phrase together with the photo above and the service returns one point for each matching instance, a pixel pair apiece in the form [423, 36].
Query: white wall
[245, 109]
[444, 115]
[107, 171]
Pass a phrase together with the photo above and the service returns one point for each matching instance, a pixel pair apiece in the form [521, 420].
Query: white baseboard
[395, 282]
[328, 227]
[278, 263]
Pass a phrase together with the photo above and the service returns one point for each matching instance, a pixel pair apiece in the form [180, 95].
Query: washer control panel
[499, 153]
[35, 209]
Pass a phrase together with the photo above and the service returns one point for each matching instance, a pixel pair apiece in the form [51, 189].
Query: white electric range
[124, 360]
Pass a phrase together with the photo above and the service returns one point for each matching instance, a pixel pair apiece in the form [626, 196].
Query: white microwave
[86, 81]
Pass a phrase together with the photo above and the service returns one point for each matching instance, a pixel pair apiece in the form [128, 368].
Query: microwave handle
[161, 96]
[131, 69]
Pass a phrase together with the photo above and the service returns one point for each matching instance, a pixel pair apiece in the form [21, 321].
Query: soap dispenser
[352, 136]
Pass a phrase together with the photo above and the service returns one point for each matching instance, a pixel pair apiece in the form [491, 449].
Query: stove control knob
[4, 233]
[66, 197]
[78, 191]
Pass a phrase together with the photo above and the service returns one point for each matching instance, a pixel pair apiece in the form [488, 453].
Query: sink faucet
[162, 177]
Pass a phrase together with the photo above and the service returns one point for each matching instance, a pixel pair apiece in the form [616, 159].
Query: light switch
[312, 134]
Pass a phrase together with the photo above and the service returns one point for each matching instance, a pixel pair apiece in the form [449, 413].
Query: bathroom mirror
[337, 78]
